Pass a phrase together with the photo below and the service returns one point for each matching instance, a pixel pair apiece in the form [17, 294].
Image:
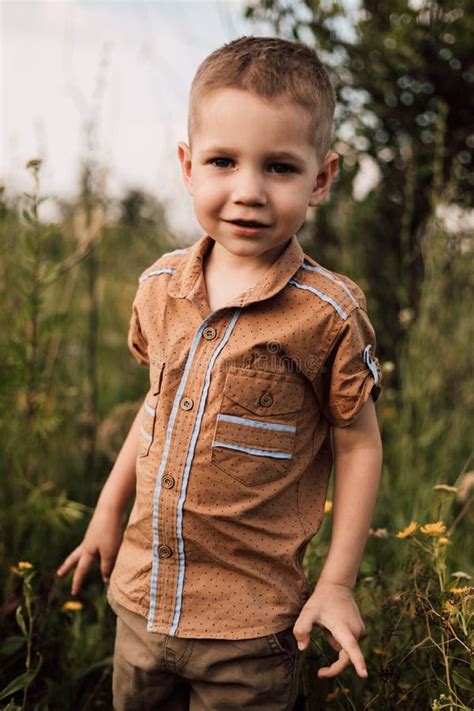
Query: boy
[261, 365]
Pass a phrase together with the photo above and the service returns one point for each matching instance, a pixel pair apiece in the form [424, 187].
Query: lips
[247, 223]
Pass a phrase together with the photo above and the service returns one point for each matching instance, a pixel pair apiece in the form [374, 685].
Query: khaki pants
[153, 671]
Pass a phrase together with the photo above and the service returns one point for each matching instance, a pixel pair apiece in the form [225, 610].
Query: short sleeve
[350, 372]
[137, 342]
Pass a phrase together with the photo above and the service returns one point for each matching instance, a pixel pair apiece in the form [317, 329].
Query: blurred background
[93, 103]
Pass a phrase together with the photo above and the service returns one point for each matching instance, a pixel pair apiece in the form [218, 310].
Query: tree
[404, 76]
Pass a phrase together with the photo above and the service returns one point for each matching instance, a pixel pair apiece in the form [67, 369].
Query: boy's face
[252, 162]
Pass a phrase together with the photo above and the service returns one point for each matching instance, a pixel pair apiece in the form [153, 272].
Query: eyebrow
[274, 155]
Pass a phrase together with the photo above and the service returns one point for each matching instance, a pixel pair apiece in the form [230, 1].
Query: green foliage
[417, 619]
[67, 649]
[67, 291]
[69, 389]
[404, 77]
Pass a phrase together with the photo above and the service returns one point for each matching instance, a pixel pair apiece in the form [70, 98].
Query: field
[69, 389]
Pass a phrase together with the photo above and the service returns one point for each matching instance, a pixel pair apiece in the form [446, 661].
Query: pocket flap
[265, 393]
[156, 376]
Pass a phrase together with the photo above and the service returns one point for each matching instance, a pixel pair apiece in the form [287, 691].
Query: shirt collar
[188, 272]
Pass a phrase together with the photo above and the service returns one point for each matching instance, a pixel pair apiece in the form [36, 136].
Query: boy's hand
[333, 607]
[102, 539]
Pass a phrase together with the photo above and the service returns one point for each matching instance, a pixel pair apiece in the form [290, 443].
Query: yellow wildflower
[24, 565]
[448, 606]
[460, 591]
[433, 529]
[327, 506]
[443, 540]
[73, 605]
[411, 528]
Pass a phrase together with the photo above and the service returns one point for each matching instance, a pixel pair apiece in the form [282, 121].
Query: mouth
[247, 223]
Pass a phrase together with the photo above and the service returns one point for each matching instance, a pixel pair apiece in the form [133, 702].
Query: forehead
[235, 117]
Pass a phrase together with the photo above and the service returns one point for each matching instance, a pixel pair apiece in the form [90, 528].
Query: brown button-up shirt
[234, 452]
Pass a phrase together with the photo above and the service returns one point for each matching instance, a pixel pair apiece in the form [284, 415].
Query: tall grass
[67, 291]
[415, 586]
[52, 387]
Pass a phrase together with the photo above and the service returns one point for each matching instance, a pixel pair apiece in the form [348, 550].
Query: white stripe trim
[330, 275]
[164, 460]
[371, 363]
[256, 423]
[150, 410]
[251, 450]
[188, 464]
[322, 295]
[155, 272]
[163, 270]
[146, 435]
[176, 251]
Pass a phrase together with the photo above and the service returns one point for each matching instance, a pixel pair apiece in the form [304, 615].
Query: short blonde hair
[271, 68]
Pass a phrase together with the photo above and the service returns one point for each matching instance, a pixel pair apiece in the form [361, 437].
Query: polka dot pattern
[234, 454]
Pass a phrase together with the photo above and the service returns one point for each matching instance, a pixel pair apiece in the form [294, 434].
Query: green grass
[68, 391]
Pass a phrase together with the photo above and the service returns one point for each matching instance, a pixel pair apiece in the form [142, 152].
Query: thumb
[302, 629]
[106, 567]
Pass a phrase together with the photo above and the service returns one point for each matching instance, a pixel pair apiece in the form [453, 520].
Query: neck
[219, 256]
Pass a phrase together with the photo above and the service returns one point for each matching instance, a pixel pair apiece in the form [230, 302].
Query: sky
[110, 78]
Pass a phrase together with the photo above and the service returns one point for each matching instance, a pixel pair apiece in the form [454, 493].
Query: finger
[332, 641]
[350, 645]
[106, 567]
[336, 667]
[69, 562]
[303, 628]
[81, 571]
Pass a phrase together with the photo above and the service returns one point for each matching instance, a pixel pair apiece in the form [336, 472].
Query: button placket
[171, 484]
[179, 447]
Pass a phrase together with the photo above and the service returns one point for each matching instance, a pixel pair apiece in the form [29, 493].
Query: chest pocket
[150, 406]
[255, 429]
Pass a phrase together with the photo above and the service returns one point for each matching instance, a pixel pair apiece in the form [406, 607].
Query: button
[164, 551]
[266, 400]
[186, 403]
[209, 333]
[168, 481]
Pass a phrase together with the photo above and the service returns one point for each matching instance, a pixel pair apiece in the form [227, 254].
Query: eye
[282, 168]
[220, 162]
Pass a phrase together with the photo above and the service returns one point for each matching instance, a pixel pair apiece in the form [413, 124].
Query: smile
[246, 223]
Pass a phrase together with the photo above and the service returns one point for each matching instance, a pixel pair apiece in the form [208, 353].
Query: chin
[242, 247]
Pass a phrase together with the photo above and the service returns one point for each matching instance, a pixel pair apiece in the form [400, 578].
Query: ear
[324, 178]
[184, 155]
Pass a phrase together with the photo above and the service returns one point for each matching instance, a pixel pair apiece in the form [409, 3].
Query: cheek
[208, 196]
[291, 202]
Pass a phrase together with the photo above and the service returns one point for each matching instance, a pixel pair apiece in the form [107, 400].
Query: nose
[249, 188]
